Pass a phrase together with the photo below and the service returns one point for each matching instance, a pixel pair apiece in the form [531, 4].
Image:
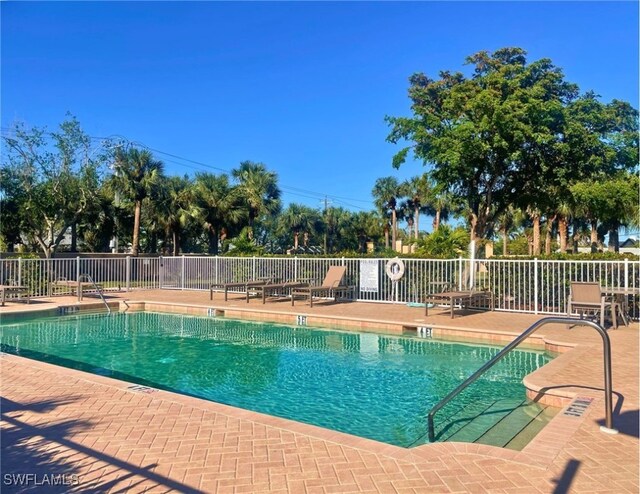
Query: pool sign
[578, 407]
[369, 275]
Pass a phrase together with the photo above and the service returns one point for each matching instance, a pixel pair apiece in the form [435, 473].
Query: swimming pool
[371, 385]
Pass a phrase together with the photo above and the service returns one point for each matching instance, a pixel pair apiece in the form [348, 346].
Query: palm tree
[510, 219]
[258, 189]
[179, 209]
[220, 207]
[419, 191]
[299, 219]
[386, 192]
[136, 176]
[440, 206]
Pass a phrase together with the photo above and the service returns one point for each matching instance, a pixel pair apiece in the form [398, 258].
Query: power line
[297, 191]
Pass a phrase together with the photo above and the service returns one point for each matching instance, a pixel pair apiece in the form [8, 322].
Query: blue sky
[302, 87]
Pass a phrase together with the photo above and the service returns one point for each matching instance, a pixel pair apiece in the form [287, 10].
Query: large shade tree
[472, 130]
[49, 182]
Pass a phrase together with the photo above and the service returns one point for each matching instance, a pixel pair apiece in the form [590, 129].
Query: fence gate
[171, 272]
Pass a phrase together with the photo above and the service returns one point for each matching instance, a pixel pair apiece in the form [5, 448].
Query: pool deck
[108, 436]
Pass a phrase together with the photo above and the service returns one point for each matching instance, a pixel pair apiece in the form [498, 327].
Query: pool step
[509, 423]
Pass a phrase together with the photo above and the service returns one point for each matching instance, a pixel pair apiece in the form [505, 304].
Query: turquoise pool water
[371, 385]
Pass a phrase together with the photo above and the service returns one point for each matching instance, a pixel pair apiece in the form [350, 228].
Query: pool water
[371, 385]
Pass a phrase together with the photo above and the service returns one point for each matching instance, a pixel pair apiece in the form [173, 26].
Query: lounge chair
[244, 286]
[283, 289]
[331, 287]
[14, 290]
[462, 298]
[588, 297]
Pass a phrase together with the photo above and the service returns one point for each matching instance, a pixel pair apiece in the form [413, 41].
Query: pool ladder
[97, 287]
[570, 322]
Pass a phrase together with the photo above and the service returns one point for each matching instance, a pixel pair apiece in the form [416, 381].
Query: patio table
[621, 295]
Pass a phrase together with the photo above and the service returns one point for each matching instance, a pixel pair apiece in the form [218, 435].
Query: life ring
[395, 269]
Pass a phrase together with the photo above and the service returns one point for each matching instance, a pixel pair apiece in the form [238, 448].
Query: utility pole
[326, 226]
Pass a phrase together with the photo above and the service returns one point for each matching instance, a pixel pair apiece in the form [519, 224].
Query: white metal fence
[113, 274]
[538, 286]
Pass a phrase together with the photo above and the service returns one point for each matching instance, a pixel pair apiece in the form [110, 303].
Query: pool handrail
[97, 287]
[606, 347]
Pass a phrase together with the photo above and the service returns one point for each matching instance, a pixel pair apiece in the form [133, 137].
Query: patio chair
[331, 287]
[461, 298]
[588, 297]
[283, 289]
[244, 286]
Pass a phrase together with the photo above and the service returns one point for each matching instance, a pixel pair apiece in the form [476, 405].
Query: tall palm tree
[419, 191]
[299, 219]
[510, 219]
[179, 209]
[220, 207]
[386, 192]
[441, 204]
[258, 189]
[137, 175]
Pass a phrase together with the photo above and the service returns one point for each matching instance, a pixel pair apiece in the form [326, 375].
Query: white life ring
[395, 269]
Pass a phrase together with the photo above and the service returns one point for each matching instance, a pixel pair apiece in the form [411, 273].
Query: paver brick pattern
[62, 421]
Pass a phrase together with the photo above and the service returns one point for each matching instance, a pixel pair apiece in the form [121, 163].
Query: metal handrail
[97, 287]
[606, 346]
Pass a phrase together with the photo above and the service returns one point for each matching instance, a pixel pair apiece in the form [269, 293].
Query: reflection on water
[372, 385]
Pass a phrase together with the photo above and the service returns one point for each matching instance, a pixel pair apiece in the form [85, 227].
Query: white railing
[113, 274]
[537, 286]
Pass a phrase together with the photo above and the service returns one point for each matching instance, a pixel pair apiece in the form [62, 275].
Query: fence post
[295, 268]
[128, 273]
[253, 268]
[19, 281]
[78, 268]
[626, 273]
[459, 272]
[182, 269]
[160, 272]
[535, 285]
[342, 260]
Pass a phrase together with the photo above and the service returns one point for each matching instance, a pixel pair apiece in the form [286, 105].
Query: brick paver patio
[106, 437]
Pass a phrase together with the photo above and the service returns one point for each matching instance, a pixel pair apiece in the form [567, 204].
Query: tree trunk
[562, 232]
[386, 236]
[416, 222]
[505, 238]
[305, 239]
[473, 233]
[135, 243]
[594, 235]
[74, 237]
[212, 236]
[547, 239]
[436, 220]
[295, 241]
[176, 243]
[394, 228]
[614, 245]
[536, 234]
[574, 236]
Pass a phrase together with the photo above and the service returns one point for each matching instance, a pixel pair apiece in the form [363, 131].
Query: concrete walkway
[107, 436]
